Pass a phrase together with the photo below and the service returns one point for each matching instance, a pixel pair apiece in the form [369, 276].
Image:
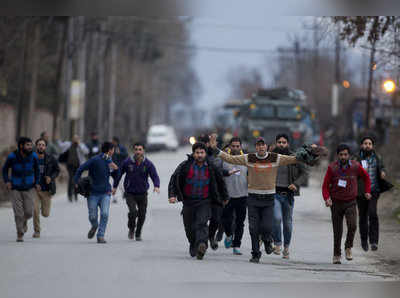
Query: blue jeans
[283, 213]
[102, 202]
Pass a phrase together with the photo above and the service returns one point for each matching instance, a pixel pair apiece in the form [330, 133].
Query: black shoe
[131, 234]
[201, 251]
[374, 247]
[268, 247]
[213, 244]
[255, 260]
[192, 250]
[138, 238]
[101, 240]
[220, 235]
[364, 245]
[92, 232]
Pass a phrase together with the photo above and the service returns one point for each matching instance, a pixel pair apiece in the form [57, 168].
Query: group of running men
[216, 187]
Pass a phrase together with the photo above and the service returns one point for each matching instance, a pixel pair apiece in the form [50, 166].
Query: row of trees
[131, 69]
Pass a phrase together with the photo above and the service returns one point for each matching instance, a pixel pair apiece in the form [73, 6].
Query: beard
[27, 152]
[283, 151]
[367, 152]
[199, 159]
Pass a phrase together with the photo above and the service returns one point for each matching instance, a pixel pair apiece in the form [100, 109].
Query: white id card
[342, 183]
[95, 149]
[364, 164]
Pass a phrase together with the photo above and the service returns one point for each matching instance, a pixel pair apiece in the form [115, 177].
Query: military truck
[273, 111]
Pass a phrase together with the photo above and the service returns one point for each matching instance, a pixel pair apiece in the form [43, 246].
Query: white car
[162, 137]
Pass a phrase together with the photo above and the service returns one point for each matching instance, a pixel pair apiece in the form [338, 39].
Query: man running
[198, 184]
[138, 169]
[24, 166]
[340, 191]
[49, 171]
[100, 168]
[262, 171]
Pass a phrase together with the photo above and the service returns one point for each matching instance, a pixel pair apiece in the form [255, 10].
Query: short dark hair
[282, 135]
[115, 139]
[23, 140]
[204, 138]
[199, 145]
[40, 139]
[368, 138]
[107, 146]
[42, 134]
[139, 144]
[235, 139]
[343, 147]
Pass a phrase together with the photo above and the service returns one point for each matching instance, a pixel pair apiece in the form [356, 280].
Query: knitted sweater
[262, 171]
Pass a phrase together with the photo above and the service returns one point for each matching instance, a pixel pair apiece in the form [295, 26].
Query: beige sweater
[262, 172]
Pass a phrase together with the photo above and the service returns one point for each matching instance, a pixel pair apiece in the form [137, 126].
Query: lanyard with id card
[342, 183]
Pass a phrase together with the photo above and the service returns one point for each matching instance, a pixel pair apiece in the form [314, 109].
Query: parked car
[162, 137]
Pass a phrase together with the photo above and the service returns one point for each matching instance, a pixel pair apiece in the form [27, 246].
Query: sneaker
[236, 251]
[228, 242]
[336, 260]
[364, 245]
[349, 256]
[277, 250]
[285, 253]
[20, 237]
[101, 240]
[192, 250]
[213, 244]
[92, 232]
[25, 226]
[374, 247]
[201, 251]
[268, 247]
[138, 238]
[255, 260]
[131, 234]
[36, 235]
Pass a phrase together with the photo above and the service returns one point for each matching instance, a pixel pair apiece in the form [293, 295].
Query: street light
[389, 86]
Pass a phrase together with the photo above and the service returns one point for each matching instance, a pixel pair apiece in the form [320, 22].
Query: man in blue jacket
[100, 168]
[136, 184]
[24, 167]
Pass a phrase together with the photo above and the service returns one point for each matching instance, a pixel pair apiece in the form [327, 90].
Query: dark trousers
[71, 184]
[195, 219]
[368, 219]
[137, 205]
[215, 220]
[261, 220]
[348, 210]
[237, 206]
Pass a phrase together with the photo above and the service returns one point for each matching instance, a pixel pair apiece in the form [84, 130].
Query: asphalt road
[64, 263]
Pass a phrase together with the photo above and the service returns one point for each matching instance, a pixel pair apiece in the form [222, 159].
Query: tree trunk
[113, 83]
[101, 82]
[35, 72]
[370, 82]
[82, 58]
[21, 81]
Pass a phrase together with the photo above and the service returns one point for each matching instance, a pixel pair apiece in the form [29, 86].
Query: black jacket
[298, 174]
[384, 185]
[51, 169]
[218, 191]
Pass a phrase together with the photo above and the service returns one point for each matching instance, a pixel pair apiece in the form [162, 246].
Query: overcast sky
[213, 65]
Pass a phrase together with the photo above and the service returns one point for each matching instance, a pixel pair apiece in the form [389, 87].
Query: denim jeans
[102, 202]
[283, 213]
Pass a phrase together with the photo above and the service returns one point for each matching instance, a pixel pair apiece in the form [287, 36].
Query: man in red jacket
[340, 191]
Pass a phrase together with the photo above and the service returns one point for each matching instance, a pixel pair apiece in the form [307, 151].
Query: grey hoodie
[236, 183]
